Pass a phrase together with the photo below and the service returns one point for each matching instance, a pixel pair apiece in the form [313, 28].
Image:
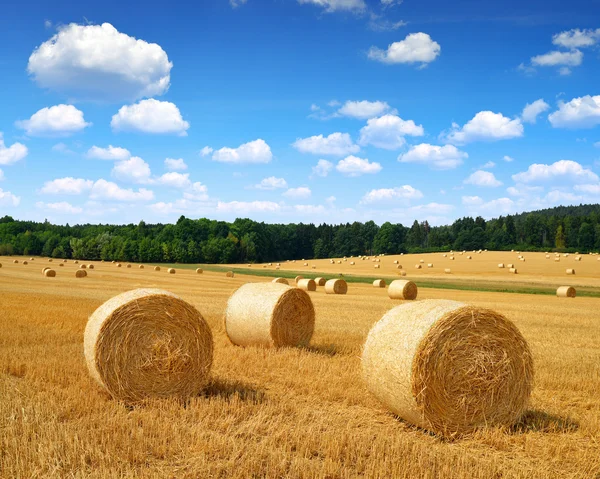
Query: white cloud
[564, 71]
[379, 23]
[237, 3]
[11, 154]
[593, 189]
[486, 126]
[488, 165]
[244, 207]
[483, 178]
[563, 171]
[198, 192]
[271, 183]
[576, 38]
[558, 58]
[257, 151]
[331, 6]
[174, 180]
[62, 207]
[300, 192]
[62, 148]
[66, 186]
[496, 207]
[582, 112]
[108, 190]
[1, 175]
[110, 153]
[150, 116]
[337, 144]
[58, 120]
[415, 48]
[207, 150]
[405, 192]
[439, 157]
[354, 166]
[134, 170]
[508, 159]
[364, 109]
[8, 199]
[532, 110]
[310, 209]
[96, 62]
[472, 200]
[388, 132]
[322, 168]
[173, 164]
[523, 190]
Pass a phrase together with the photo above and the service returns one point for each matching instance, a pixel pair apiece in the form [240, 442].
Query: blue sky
[297, 110]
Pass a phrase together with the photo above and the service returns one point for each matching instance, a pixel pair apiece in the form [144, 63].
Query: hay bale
[148, 343]
[402, 289]
[80, 273]
[90, 266]
[307, 284]
[141, 266]
[430, 265]
[277, 267]
[452, 258]
[49, 260]
[510, 265]
[500, 265]
[522, 259]
[45, 268]
[468, 257]
[118, 265]
[566, 292]
[128, 265]
[298, 278]
[82, 266]
[280, 280]
[336, 286]
[15, 261]
[171, 271]
[448, 367]
[570, 271]
[352, 263]
[305, 264]
[0, 265]
[547, 256]
[313, 267]
[447, 271]
[395, 261]
[399, 266]
[513, 270]
[445, 255]
[417, 266]
[25, 263]
[402, 273]
[421, 261]
[577, 258]
[376, 266]
[49, 273]
[64, 260]
[320, 281]
[157, 268]
[77, 261]
[229, 274]
[199, 271]
[557, 259]
[61, 264]
[269, 315]
[339, 262]
[379, 283]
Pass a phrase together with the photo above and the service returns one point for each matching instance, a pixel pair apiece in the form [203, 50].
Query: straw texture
[269, 315]
[148, 343]
[80, 273]
[90, 266]
[229, 274]
[379, 283]
[280, 280]
[157, 268]
[566, 292]
[320, 281]
[307, 284]
[402, 289]
[199, 271]
[336, 286]
[49, 273]
[570, 271]
[448, 367]
[171, 270]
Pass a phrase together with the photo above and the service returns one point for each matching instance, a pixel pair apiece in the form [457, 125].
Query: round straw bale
[77, 261]
[417, 266]
[157, 268]
[298, 278]
[376, 266]
[557, 259]
[521, 259]
[336, 286]
[402, 289]
[402, 273]
[118, 265]
[352, 263]
[421, 261]
[15, 261]
[547, 256]
[447, 271]
[61, 264]
[280, 280]
[430, 265]
[128, 265]
[395, 261]
[448, 367]
[313, 267]
[339, 262]
[80, 273]
[445, 255]
[513, 270]
[148, 343]
[510, 265]
[500, 265]
[64, 260]
[570, 271]
[229, 274]
[320, 281]
[270, 264]
[90, 266]
[141, 266]
[171, 271]
[277, 267]
[269, 315]
[307, 284]
[82, 266]
[379, 283]
[577, 258]
[566, 292]
[452, 258]
[0, 265]
[50, 273]
[305, 264]
[468, 257]
[199, 271]
[49, 260]
[45, 268]
[25, 263]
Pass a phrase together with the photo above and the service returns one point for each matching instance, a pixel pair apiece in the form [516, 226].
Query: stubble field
[289, 412]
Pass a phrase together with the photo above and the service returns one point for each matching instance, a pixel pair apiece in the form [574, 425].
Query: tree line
[246, 241]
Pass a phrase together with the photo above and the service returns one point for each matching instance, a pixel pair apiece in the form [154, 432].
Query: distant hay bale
[445, 255]
[547, 256]
[566, 292]
[90, 266]
[270, 264]
[80, 273]
[280, 280]
[430, 265]
[402, 273]
[421, 261]
[269, 315]
[199, 271]
[469, 257]
[82, 266]
[577, 258]
[148, 343]
[64, 260]
[510, 265]
[352, 263]
[128, 265]
[45, 268]
[49, 260]
[448, 367]
[513, 270]
[61, 264]
[452, 258]
[141, 266]
[570, 271]
[49, 273]
[157, 268]
[0, 265]
[557, 259]
[500, 265]
[399, 266]
[31, 259]
[447, 271]
[229, 274]
[278, 264]
[249, 265]
[77, 261]
[25, 263]
[307, 284]
[320, 281]
[376, 266]
[305, 264]
[522, 259]
[171, 271]
[277, 267]
[298, 278]
[313, 267]
[395, 261]
[15, 261]
[379, 283]
[417, 266]
[339, 262]
[336, 286]
[118, 265]
[402, 289]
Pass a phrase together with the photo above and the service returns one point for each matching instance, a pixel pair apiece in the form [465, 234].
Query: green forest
[565, 228]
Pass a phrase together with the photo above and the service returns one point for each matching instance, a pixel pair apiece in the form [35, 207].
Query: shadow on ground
[225, 389]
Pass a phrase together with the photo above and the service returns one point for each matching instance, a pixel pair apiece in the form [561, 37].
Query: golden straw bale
[452, 258]
[513, 270]
[45, 268]
[510, 265]
[118, 265]
[379, 283]
[277, 267]
[421, 261]
[49, 260]
[399, 266]
[402, 289]
[468, 257]
[64, 260]
[25, 263]
[313, 267]
[298, 278]
[0, 265]
[15, 261]
[557, 259]
[128, 265]
[61, 264]
[77, 261]
[395, 261]
[305, 264]
[577, 258]
[547, 256]
[141, 266]
[430, 265]
[307, 284]
[80, 273]
[320, 281]
[90, 266]
[352, 263]
[336, 286]
[500, 265]
[50, 273]
[199, 271]
[570, 271]
[402, 273]
[566, 292]
[376, 266]
[448, 367]
[148, 343]
[447, 271]
[157, 268]
[417, 266]
[269, 315]
[280, 280]
[82, 266]
[229, 274]
[171, 271]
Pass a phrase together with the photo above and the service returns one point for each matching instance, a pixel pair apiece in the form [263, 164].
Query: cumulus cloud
[337, 144]
[363, 110]
[198, 192]
[388, 132]
[257, 151]
[438, 157]
[133, 170]
[508, 159]
[488, 165]
[58, 120]
[8, 199]
[582, 112]
[322, 168]
[485, 126]
[174, 180]
[12, 153]
[331, 6]
[110, 153]
[523, 190]
[1, 175]
[415, 48]
[563, 171]
[354, 166]
[472, 200]
[496, 207]
[150, 116]
[577, 38]
[244, 207]
[107, 190]
[483, 178]
[61, 207]
[592, 189]
[300, 192]
[532, 110]
[405, 192]
[67, 186]
[97, 62]
[572, 58]
[173, 164]
[271, 183]
[206, 151]
[62, 148]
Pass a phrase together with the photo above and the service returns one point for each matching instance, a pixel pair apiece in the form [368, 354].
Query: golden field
[289, 412]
